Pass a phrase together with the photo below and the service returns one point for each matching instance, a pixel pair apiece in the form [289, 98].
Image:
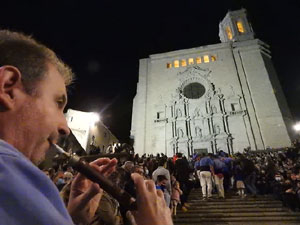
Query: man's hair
[160, 178]
[161, 162]
[31, 58]
[179, 154]
[135, 168]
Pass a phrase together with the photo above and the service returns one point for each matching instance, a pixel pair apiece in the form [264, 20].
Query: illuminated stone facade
[224, 96]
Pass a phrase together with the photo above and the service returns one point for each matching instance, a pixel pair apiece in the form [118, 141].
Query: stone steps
[235, 206]
[232, 210]
[262, 210]
[245, 223]
[242, 220]
[235, 214]
[233, 198]
[246, 202]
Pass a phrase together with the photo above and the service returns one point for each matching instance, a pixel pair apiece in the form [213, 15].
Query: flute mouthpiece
[59, 149]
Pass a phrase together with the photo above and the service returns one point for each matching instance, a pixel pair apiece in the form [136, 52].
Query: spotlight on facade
[297, 127]
[95, 117]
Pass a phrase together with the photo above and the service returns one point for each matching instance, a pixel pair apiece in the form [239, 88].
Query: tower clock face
[194, 90]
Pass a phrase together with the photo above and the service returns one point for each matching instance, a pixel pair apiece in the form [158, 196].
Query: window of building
[206, 59]
[194, 90]
[198, 60]
[169, 65]
[234, 106]
[183, 62]
[160, 115]
[213, 58]
[240, 27]
[176, 63]
[191, 61]
[229, 32]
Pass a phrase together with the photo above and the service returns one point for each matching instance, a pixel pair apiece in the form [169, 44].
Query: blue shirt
[27, 195]
[206, 161]
[158, 187]
[227, 161]
[218, 164]
[197, 164]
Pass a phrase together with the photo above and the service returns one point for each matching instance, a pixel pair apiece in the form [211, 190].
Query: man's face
[163, 183]
[140, 171]
[40, 117]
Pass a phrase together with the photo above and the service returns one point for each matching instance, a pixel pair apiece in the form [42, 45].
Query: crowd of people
[278, 173]
[251, 173]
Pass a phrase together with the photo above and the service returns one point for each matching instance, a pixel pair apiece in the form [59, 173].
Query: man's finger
[150, 185]
[139, 184]
[160, 193]
[78, 181]
[92, 191]
[100, 161]
[108, 167]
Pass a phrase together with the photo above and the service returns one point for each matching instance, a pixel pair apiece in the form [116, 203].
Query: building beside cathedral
[223, 96]
[89, 131]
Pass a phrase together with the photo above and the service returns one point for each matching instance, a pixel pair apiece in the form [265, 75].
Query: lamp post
[296, 142]
[95, 117]
[297, 127]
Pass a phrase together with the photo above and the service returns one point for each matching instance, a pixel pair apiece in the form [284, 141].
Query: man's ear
[10, 79]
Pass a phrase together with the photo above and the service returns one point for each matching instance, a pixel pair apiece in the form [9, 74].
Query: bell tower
[235, 27]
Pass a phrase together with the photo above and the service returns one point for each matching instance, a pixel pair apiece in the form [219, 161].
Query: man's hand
[152, 208]
[85, 195]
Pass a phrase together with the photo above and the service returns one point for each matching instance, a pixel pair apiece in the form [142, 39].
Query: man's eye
[60, 103]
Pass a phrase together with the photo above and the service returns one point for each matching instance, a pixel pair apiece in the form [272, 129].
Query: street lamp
[95, 117]
[297, 127]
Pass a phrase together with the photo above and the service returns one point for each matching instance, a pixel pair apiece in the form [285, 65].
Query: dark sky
[103, 41]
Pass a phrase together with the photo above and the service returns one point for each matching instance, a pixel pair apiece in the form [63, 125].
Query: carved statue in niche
[219, 93]
[214, 109]
[180, 132]
[178, 113]
[160, 99]
[213, 89]
[198, 131]
[197, 112]
[217, 129]
[212, 86]
[232, 92]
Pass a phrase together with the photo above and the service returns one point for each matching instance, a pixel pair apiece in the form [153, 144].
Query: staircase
[262, 210]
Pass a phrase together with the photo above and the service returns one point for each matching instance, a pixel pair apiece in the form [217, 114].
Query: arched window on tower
[169, 65]
[240, 27]
[191, 61]
[183, 62]
[198, 60]
[213, 58]
[176, 63]
[229, 32]
[206, 59]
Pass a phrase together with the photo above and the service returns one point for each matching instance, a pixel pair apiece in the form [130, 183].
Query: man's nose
[63, 128]
[64, 131]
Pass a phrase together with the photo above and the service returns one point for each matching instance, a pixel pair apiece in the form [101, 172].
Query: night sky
[103, 41]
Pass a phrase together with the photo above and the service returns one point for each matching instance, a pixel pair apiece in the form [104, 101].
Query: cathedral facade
[216, 97]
